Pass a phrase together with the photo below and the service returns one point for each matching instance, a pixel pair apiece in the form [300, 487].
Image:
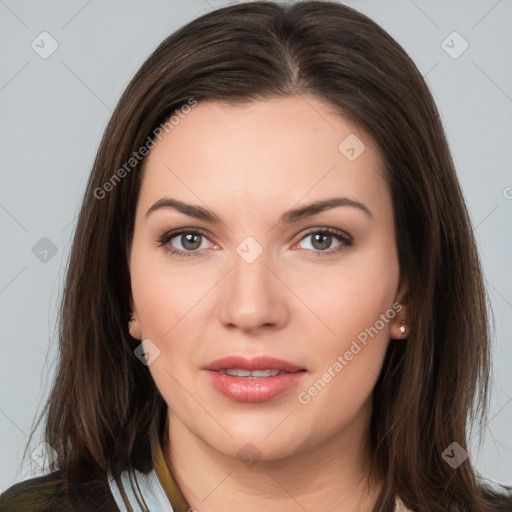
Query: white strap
[150, 490]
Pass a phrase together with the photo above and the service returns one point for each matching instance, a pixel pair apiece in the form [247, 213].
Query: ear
[400, 325]
[133, 323]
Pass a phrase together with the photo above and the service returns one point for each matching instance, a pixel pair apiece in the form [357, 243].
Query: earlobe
[400, 326]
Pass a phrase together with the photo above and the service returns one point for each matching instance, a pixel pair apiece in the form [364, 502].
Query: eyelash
[346, 241]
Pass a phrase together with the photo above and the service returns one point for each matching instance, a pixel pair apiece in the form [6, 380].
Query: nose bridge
[252, 295]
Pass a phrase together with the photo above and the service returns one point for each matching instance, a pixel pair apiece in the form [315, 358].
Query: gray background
[54, 111]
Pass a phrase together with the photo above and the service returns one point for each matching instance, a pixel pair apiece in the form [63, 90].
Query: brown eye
[321, 241]
[184, 242]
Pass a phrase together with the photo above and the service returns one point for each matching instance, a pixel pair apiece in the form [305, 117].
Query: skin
[249, 164]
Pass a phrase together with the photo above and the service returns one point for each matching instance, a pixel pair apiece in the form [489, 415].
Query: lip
[263, 389]
[256, 363]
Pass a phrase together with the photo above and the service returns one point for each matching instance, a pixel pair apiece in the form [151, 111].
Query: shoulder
[36, 494]
[53, 493]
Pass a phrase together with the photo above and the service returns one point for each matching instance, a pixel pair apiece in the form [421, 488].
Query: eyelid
[325, 229]
[168, 235]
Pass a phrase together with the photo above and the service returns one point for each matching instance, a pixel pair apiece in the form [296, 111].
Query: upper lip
[255, 363]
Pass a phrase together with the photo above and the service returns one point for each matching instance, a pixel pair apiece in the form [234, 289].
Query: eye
[184, 242]
[191, 242]
[321, 241]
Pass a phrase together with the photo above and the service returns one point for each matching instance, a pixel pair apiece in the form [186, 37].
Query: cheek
[355, 305]
[167, 303]
[349, 298]
[345, 367]
[174, 306]
[164, 293]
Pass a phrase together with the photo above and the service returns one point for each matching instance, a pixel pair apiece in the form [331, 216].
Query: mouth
[256, 364]
[248, 374]
[253, 380]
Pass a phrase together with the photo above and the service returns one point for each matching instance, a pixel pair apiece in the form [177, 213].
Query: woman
[274, 211]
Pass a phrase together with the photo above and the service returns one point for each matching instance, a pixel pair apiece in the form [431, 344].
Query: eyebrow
[288, 217]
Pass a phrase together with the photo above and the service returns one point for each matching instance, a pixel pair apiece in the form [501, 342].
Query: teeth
[254, 374]
[235, 372]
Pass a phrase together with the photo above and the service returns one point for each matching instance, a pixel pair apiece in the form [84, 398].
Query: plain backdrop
[55, 107]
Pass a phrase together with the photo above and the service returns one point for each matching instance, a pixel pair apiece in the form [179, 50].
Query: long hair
[431, 388]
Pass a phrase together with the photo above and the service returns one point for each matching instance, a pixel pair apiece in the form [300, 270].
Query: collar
[163, 472]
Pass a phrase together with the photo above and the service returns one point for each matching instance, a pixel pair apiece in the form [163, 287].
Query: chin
[250, 445]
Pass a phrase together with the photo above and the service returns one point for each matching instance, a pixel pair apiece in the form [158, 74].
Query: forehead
[275, 151]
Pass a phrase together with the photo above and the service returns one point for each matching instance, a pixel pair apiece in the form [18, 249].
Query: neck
[333, 475]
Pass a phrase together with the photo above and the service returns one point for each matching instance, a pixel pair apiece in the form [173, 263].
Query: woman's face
[244, 266]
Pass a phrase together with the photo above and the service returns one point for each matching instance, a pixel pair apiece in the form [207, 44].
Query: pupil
[323, 245]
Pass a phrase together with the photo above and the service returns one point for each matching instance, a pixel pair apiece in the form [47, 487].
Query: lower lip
[242, 389]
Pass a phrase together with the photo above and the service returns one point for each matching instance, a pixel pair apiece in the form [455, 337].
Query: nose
[253, 297]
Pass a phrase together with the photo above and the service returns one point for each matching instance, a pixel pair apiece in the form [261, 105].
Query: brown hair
[103, 400]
